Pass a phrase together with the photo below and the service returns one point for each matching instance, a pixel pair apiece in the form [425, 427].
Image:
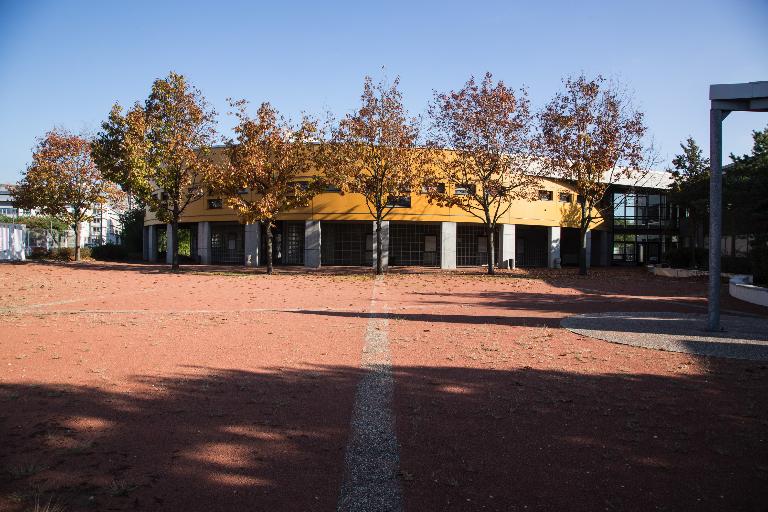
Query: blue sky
[65, 63]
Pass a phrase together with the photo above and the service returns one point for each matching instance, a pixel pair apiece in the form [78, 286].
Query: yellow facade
[334, 206]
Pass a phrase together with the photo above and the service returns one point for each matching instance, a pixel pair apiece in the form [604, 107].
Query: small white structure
[741, 287]
[12, 242]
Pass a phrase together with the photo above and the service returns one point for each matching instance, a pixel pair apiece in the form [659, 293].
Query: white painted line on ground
[371, 481]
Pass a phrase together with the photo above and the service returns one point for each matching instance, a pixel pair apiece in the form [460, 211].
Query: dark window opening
[437, 188]
[545, 195]
[464, 189]
[399, 202]
[215, 204]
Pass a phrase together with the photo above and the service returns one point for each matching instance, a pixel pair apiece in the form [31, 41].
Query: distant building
[103, 228]
[6, 203]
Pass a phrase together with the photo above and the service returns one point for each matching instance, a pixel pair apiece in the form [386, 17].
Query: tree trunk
[77, 240]
[268, 230]
[379, 251]
[490, 246]
[175, 245]
[583, 251]
[583, 227]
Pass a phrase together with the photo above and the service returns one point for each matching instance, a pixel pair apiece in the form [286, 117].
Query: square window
[565, 197]
[545, 195]
[438, 188]
[464, 189]
[399, 201]
[215, 204]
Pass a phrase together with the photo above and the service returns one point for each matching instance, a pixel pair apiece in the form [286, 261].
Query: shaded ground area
[500, 409]
[126, 387]
[741, 337]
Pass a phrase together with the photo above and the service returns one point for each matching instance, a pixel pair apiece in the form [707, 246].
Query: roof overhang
[750, 97]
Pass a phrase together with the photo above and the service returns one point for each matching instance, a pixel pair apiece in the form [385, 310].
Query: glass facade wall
[641, 223]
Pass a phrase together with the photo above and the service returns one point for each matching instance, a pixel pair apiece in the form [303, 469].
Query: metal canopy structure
[724, 99]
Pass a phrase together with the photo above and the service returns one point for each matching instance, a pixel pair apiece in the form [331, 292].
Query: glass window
[565, 197]
[545, 195]
[399, 202]
[215, 204]
[464, 189]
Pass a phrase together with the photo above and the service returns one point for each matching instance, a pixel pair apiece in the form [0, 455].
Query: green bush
[734, 265]
[38, 253]
[109, 252]
[133, 230]
[681, 257]
[85, 253]
[759, 260]
[63, 253]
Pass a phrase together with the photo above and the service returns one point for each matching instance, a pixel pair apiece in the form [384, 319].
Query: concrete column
[384, 243]
[312, 244]
[605, 250]
[204, 242]
[507, 246]
[252, 245]
[145, 243]
[169, 243]
[553, 244]
[447, 245]
[716, 117]
[589, 248]
[152, 243]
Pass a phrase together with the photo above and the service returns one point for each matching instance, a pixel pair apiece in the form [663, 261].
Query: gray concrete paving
[742, 338]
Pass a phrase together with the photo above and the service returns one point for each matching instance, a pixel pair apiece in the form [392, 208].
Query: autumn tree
[160, 150]
[375, 155]
[64, 182]
[690, 189]
[120, 152]
[485, 130]
[271, 167]
[591, 136]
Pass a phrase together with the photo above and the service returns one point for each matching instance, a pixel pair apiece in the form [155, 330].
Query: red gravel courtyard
[128, 387]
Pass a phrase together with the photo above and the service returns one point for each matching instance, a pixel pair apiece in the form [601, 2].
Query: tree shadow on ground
[471, 439]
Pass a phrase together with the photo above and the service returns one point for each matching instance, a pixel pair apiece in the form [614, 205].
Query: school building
[337, 229]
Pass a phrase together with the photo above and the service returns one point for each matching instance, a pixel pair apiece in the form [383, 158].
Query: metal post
[716, 117]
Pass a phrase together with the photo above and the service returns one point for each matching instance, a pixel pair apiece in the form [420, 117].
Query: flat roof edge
[743, 91]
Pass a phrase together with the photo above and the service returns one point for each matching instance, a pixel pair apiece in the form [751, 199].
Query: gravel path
[742, 337]
[371, 475]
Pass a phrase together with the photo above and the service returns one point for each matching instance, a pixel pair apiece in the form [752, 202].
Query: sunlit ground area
[127, 387]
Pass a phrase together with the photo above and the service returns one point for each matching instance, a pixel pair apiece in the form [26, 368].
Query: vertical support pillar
[589, 248]
[204, 243]
[252, 245]
[447, 245]
[169, 243]
[605, 252]
[716, 117]
[553, 246]
[384, 244]
[312, 244]
[507, 246]
[145, 243]
[152, 243]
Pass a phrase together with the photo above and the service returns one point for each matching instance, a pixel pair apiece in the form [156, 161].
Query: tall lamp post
[724, 99]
